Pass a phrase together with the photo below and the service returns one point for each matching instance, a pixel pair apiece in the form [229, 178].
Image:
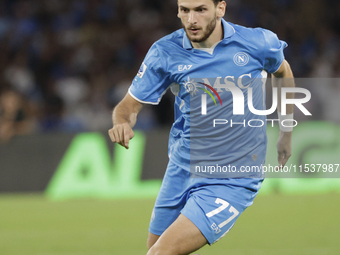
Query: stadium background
[65, 64]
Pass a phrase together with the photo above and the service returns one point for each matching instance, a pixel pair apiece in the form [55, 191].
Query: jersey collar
[228, 32]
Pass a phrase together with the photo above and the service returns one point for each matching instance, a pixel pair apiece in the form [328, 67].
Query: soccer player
[206, 60]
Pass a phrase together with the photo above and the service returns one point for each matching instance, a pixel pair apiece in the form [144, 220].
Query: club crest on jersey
[241, 59]
[141, 70]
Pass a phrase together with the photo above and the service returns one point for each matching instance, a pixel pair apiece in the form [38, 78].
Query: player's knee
[151, 240]
[160, 250]
[149, 243]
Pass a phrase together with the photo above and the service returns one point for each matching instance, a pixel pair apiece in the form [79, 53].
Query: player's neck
[216, 36]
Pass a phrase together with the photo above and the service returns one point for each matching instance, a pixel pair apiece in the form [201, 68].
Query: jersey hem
[141, 101]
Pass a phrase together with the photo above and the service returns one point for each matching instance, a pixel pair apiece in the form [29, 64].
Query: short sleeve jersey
[213, 123]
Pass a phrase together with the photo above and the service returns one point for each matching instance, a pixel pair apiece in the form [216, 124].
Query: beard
[206, 32]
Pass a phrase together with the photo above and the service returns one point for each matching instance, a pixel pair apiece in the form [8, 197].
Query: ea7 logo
[184, 67]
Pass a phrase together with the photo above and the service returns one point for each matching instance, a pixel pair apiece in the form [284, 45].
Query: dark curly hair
[217, 1]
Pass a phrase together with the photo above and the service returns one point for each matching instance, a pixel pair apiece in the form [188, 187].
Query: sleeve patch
[142, 70]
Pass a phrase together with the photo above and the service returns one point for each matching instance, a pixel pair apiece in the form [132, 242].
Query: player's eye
[185, 10]
[201, 9]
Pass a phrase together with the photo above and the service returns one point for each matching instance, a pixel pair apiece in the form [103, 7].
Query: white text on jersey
[184, 67]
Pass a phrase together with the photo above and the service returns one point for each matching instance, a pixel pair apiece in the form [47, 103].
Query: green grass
[275, 224]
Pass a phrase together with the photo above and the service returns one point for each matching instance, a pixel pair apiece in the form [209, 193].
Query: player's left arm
[283, 77]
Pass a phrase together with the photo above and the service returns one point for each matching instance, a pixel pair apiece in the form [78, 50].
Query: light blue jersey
[214, 128]
[210, 128]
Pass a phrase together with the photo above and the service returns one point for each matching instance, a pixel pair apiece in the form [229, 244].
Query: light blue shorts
[213, 205]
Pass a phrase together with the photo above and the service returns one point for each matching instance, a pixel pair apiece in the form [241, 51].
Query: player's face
[198, 18]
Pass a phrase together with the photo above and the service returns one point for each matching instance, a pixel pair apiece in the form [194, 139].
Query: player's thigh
[182, 237]
[214, 209]
[170, 200]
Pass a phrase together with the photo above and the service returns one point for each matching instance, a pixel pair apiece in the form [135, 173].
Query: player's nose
[191, 17]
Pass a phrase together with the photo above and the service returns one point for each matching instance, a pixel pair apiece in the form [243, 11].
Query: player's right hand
[121, 134]
[284, 147]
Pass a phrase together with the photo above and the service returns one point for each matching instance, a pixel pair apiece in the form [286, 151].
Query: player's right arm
[124, 117]
[283, 77]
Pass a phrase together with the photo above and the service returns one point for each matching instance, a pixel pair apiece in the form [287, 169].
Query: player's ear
[221, 7]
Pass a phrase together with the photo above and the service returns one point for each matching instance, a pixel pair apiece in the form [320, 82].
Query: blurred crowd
[65, 64]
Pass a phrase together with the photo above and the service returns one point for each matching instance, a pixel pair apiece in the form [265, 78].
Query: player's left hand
[284, 147]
